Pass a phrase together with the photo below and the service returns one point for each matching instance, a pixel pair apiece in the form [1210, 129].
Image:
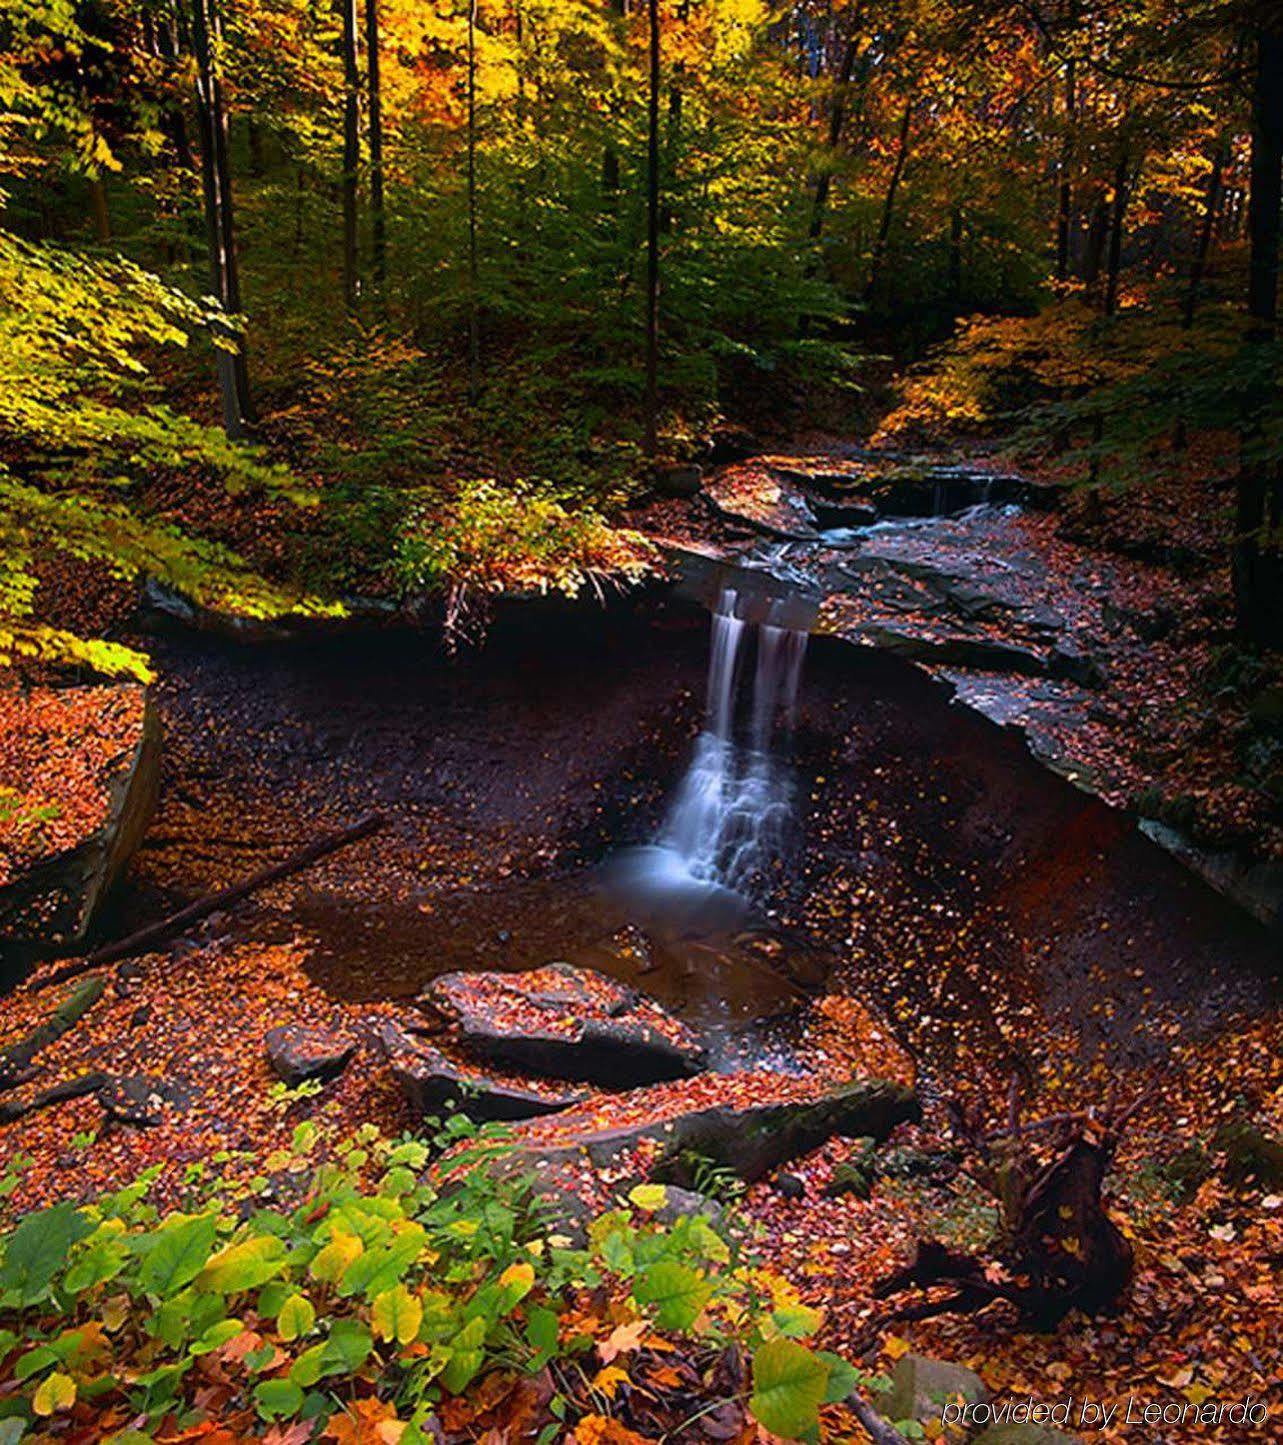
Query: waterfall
[730, 817]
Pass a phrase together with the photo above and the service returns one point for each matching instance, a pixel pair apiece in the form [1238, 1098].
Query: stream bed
[935, 869]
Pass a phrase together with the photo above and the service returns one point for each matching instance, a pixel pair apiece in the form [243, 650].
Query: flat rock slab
[749, 1123]
[297, 1053]
[755, 495]
[432, 1079]
[566, 1023]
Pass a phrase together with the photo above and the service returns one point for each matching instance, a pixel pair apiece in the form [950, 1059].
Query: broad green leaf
[677, 1292]
[843, 1377]
[397, 1315]
[178, 1254]
[348, 1347]
[296, 1317]
[790, 1383]
[98, 1264]
[56, 1392]
[467, 1355]
[38, 1248]
[243, 1266]
[649, 1197]
[277, 1399]
[335, 1257]
[796, 1321]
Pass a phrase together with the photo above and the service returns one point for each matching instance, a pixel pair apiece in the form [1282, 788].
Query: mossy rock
[1251, 1156]
[921, 1388]
[1024, 1435]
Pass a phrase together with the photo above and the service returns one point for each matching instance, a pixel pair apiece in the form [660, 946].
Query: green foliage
[78, 435]
[382, 1281]
[516, 538]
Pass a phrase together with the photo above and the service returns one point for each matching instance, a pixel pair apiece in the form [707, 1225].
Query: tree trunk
[98, 201]
[1118, 213]
[351, 153]
[1204, 248]
[1257, 554]
[888, 204]
[378, 220]
[837, 118]
[955, 254]
[474, 320]
[1065, 210]
[1097, 235]
[651, 430]
[220, 226]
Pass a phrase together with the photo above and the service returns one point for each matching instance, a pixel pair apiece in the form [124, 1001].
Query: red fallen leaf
[296, 1434]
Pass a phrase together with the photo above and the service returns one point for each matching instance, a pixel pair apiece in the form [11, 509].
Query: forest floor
[994, 919]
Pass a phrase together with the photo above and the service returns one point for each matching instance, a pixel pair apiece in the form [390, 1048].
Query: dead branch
[875, 1427]
[75, 1088]
[155, 933]
[16, 1060]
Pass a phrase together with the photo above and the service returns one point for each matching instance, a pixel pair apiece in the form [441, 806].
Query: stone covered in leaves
[434, 1080]
[297, 1053]
[748, 1124]
[568, 1023]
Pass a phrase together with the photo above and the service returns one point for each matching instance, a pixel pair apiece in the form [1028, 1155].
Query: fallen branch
[16, 1060]
[147, 938]
[75, 1088]
[875, 1427]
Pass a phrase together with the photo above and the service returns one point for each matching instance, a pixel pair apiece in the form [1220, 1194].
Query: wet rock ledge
[79, 771]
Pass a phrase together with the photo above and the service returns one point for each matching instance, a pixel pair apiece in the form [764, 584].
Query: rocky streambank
[978, 578]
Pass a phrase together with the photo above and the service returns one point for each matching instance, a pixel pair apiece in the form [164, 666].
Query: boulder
[566, 1023]
[754, 496]
[677, 479]
[921, 1387]
[141, 1100]
[432, 1082]
[297, 1053]
[1024, 1435]
[674, 1134]
[89, 758]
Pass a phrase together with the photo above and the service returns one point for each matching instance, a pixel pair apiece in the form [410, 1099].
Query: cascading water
[729, 820]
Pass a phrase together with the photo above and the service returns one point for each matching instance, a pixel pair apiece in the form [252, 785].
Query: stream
[732, 837]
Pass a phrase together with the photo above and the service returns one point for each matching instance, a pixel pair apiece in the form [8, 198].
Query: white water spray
[729, 820]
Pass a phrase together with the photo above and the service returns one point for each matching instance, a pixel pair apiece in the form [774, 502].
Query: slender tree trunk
[98, 202]
[1204, 248]
[1258, 550]
[220, 227]
[1065, 205]
[955, 254]
[378, 220]
[474, 320]
[351, 153]
[1118, 213]
[888, 204]
[651, 433]
[837, 118]
[1097, 235]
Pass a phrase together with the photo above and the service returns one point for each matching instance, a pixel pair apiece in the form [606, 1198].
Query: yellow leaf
[397, 1315]
[650, 1197]
[895, 1347]
[329, 1264]
[57, 1392]
[608, 1380]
